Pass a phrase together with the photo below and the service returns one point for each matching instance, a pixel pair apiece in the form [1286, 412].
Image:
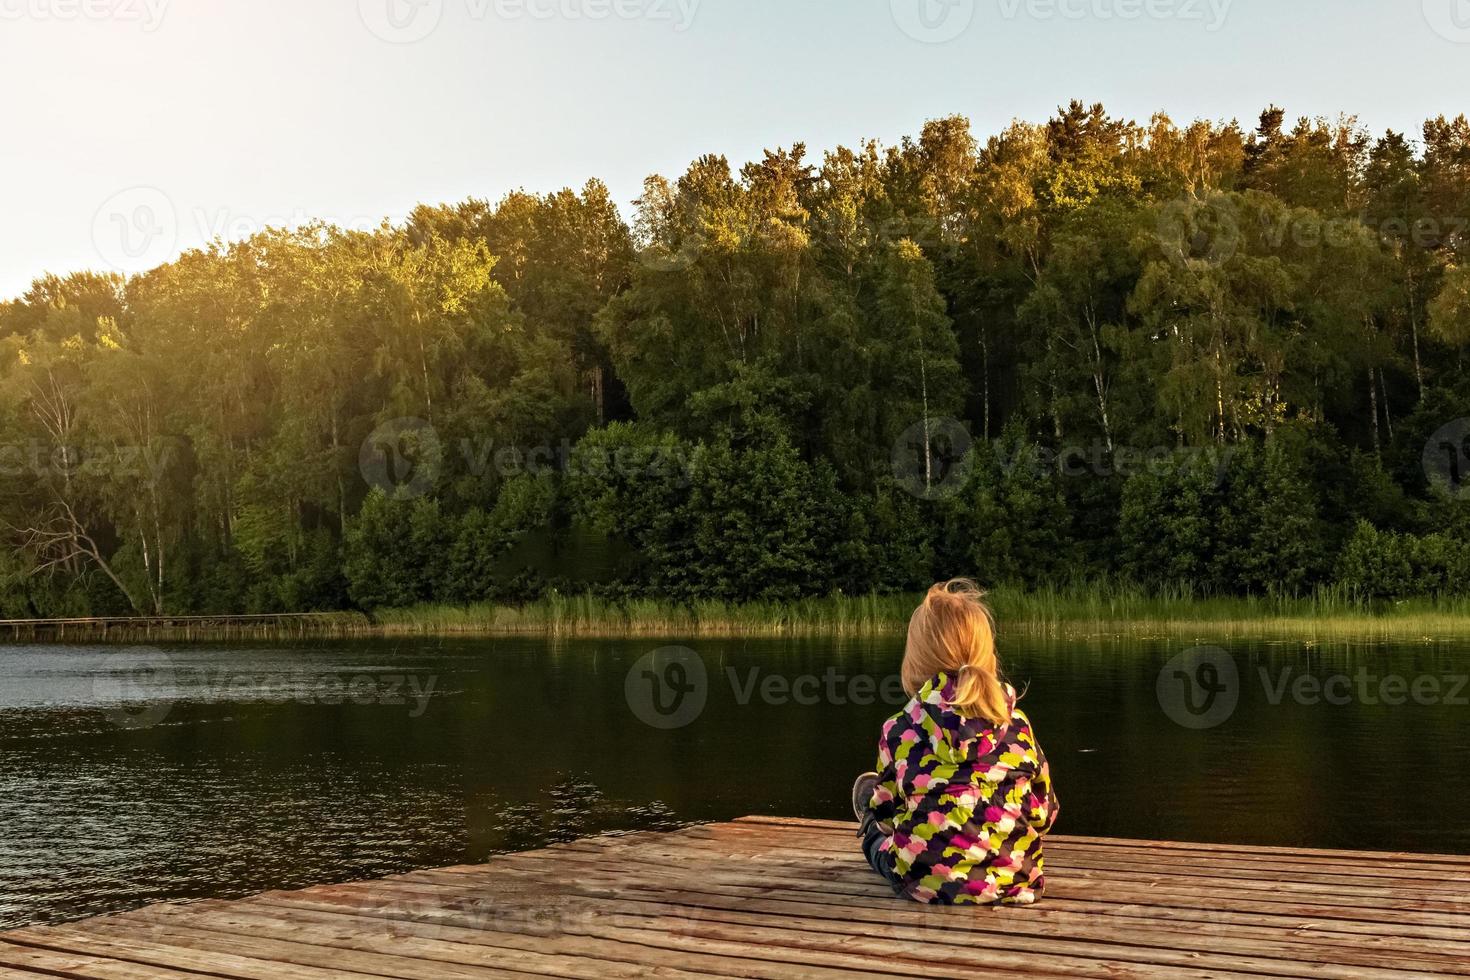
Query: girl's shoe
[862, 794]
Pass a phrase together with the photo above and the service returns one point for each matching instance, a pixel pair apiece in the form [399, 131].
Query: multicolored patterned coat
[968, 802]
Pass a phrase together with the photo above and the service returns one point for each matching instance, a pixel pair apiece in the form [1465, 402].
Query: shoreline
[1094, 612]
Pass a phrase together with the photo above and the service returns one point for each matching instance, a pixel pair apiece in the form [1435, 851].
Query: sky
[133, 129]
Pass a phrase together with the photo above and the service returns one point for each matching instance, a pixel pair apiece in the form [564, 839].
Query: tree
[1449, 313]
[394, 551]
[1079, 307]
[917, 353]
[720, 389]
[1008, 525]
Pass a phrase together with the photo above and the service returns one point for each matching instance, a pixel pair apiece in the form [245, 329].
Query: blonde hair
[953, 633]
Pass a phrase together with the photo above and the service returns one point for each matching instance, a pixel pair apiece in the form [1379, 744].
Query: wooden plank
[1364, 893]
[1403, 856]
[601, 883]
[793, 876]
[301, 956]
[877, 897]
[155, 957]
[707, 893]
[452, 910]
[1431, 867]
[474, 942]
[1354, 861]
[807, 954]
[1454, 889]
[1371, 902]
[863, 883]
[1139, 902]
[1012, 928]
[794, 900]
[29, 962]
[418, 894]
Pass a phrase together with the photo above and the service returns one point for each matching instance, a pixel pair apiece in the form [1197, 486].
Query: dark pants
[873, 839]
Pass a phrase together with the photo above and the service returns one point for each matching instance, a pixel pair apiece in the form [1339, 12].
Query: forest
[1086, 349]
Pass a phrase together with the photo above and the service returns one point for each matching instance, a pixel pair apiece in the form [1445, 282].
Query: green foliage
[763, 524]
[717, 389]
[890, 544]
[393, 550]
[1223, 522]
[471, 569]
[1271, 529]
[17, 595]
[1449, 313]
[314, 583]
[1009, 524]
[1387, 565]
[723, 519]
[632, 481]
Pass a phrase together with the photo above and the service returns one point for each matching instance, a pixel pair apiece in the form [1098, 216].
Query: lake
[134, 775]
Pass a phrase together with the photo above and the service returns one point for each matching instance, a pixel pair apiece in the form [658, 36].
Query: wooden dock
[764, 897]
[148, 629]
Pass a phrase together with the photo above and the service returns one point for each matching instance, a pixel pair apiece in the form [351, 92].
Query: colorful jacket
[968, 803]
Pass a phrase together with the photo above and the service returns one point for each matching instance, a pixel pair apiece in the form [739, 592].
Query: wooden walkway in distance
[135, 629]
[764, 897]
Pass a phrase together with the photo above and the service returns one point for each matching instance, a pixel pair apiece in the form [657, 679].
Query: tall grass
[587, 616]
[1327, 613]
[1093, 609]
[1101, 608]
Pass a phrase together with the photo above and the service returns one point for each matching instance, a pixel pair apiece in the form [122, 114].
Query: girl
[963, 796]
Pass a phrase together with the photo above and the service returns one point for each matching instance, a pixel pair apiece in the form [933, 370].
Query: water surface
[130, 775]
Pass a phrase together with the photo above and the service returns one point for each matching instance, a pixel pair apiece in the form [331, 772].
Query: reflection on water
[131, 776]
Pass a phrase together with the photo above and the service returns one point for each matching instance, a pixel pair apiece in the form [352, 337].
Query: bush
[394, 552]
[1009, 523]
[1386, 565]
[481, 538]
[1167, 523]
[765, 524]
[632, 482]
[891, 545]
[1271, 533]
[316, 584]
[727, 519]
[1244, 521]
